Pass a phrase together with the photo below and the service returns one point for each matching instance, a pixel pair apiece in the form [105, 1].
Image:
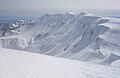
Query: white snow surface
[21, 64]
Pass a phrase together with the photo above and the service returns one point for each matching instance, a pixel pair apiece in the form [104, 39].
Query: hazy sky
[39, 7]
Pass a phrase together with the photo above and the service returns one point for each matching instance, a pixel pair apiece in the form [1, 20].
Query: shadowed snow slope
[81, 36]
[21, 64]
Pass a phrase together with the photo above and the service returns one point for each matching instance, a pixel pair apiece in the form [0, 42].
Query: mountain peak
[85, 13]
[70, 13]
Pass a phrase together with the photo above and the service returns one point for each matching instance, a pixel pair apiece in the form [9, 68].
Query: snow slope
[21, 64]
[83, 36]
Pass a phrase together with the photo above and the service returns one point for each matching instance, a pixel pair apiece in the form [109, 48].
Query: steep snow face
[81, 36]
[21, 64]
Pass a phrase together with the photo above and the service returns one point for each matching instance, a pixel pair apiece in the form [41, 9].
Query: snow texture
[21, 64]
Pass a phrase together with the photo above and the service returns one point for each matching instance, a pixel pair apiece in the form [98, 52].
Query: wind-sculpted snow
[81, 36]
[110, 59]
[21, 64]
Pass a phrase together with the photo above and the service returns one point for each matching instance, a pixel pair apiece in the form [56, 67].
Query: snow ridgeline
[21, 64]
[81, 36]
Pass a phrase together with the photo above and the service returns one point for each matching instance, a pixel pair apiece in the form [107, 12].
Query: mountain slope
[21, 64]
[83, 36]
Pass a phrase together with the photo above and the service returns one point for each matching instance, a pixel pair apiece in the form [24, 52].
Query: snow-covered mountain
[12, 28]
[21, 64]
[83, 36]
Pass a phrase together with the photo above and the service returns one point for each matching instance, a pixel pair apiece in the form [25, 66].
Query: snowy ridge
[83, 36]
[21, 64]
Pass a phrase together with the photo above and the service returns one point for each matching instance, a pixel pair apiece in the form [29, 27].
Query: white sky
[38, 7]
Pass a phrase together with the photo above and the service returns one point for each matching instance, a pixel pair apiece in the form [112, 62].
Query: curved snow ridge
[113, 23]
[21, 64]
[110, 59]
[89, 56]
